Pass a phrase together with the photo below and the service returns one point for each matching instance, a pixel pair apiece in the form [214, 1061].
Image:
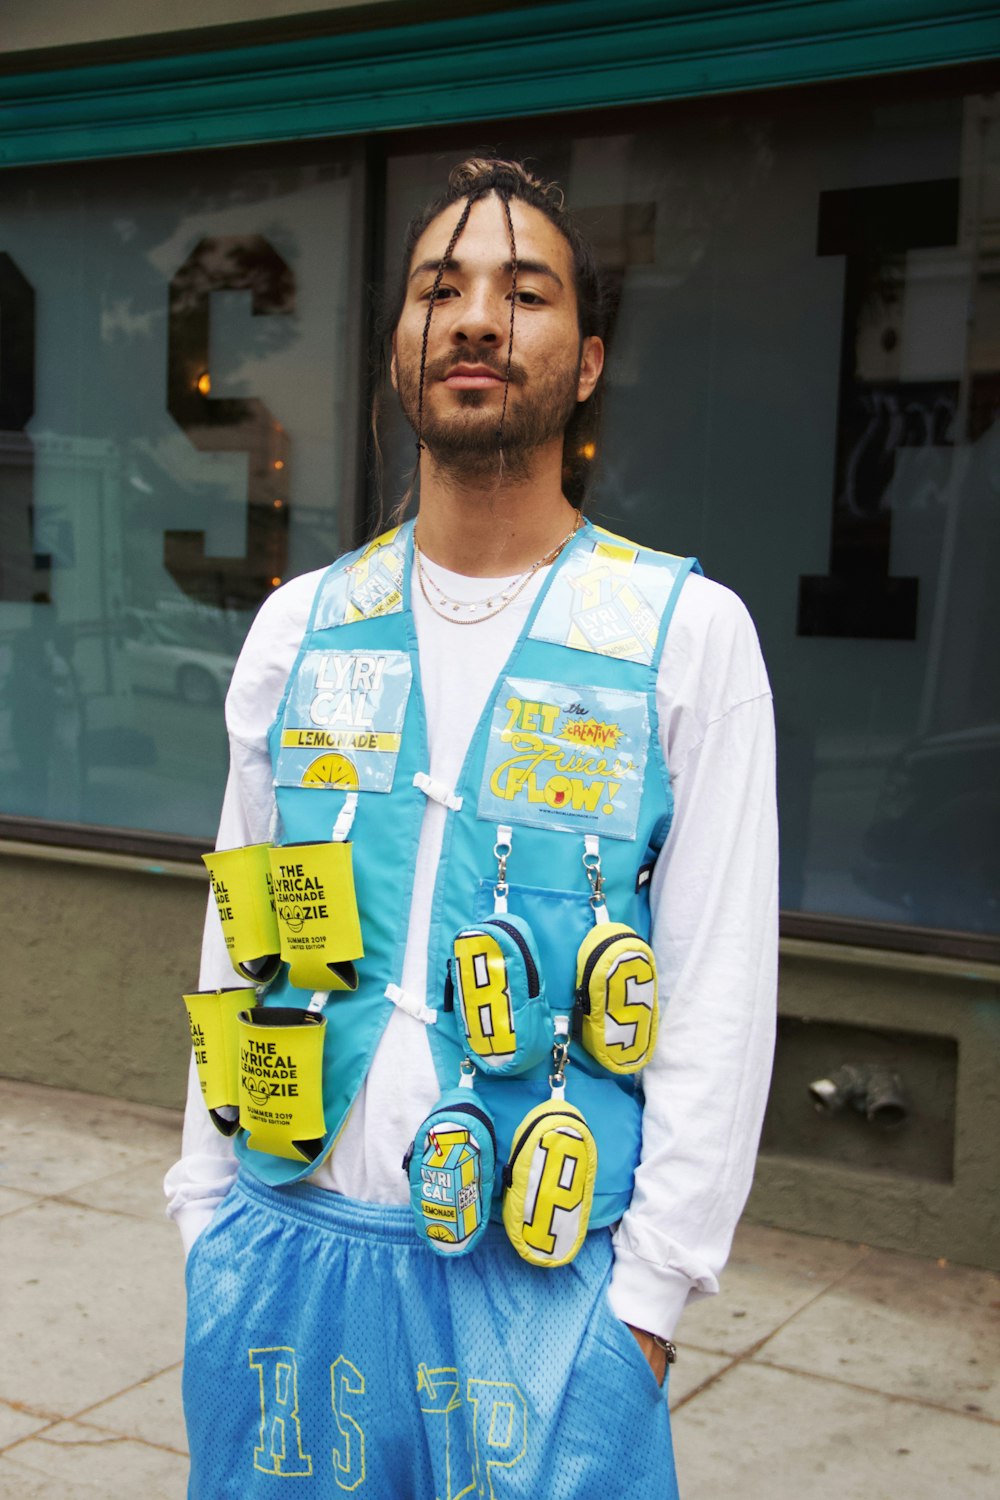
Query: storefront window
[803, 391]
[179, 358]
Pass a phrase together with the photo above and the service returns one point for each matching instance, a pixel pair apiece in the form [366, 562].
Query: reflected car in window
[162, 657]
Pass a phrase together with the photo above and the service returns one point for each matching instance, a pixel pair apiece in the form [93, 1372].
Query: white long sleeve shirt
[714, 931]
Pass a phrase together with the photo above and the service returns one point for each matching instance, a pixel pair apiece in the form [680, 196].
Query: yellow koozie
[317, 914]
[241, 884]
[281, 1080]
[215, 1038]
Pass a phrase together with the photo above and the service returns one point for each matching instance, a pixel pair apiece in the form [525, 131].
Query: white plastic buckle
[345, 819]
[403, 1000]
[437, 791]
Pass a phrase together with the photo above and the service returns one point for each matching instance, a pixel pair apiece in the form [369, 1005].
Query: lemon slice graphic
[331, 770]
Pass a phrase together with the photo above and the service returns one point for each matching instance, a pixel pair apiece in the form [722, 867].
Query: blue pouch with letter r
[496, 987]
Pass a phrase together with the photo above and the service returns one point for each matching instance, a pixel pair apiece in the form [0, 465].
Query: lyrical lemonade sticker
[376, 586]
[609, 598]
[577, 753]
[366, 588]
[343, 721]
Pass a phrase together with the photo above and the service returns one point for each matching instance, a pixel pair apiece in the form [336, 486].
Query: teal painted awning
[579, 54]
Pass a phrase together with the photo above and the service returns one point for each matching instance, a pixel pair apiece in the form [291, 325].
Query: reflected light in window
[204, 383]
[275, 582]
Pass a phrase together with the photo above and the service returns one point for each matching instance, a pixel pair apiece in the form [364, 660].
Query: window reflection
[178, 405]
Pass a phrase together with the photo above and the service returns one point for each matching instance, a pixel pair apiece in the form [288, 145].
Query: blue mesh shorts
[328, 1346]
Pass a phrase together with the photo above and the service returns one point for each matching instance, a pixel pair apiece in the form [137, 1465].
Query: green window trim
[575, 55]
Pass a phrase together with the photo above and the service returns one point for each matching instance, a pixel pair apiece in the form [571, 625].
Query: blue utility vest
[567, 746]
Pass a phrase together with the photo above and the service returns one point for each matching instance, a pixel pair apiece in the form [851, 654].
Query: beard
[467, 438]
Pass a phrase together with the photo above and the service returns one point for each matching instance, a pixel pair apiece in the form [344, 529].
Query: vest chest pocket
[560, 920]
[342, 725]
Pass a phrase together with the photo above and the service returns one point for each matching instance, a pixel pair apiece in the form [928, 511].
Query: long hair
[471, 180]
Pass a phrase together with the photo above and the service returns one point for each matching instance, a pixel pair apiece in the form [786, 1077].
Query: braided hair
[471, 181]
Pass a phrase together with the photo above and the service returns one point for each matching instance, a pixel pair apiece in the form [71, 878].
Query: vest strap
[437, 791]
[413, 1007]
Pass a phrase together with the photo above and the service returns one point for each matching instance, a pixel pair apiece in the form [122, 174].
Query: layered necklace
[458, 611]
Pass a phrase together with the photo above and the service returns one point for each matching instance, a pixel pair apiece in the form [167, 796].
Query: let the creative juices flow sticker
[566, 756]
[343, 721]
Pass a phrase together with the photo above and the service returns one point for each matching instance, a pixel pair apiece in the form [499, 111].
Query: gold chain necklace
[506, 596]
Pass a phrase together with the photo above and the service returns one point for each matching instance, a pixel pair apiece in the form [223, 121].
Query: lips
[472, 378]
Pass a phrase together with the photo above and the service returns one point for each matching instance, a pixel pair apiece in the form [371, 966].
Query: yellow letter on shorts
[279, 1414]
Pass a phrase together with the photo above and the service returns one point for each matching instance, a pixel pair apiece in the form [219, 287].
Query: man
[579, 732]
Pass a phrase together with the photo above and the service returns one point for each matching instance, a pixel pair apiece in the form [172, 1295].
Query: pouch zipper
[461, 1108]
[591, 963]
[534, 987]
[518, 1146]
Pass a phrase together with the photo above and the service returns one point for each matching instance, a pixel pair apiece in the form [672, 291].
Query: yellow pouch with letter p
[617, 1009]
[212, 1017]
[549, 1183]
[281, 1080]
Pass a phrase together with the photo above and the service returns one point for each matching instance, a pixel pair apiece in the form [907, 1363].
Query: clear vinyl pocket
[496, 987]
[617, 1006]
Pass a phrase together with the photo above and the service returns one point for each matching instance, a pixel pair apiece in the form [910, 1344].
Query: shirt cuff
[647, 1296]
[191, 1220]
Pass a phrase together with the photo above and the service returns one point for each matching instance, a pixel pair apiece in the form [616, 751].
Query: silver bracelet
[668, 1346]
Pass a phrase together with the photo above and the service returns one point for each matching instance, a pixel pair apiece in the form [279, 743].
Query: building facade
[798, 209]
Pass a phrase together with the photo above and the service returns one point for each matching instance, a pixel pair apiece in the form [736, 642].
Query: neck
[490, 525]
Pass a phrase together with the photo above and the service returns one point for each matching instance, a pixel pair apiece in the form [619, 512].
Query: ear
[393, 376]
[591, 365]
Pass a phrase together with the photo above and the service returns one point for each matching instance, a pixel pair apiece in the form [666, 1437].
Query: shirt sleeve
[197, 1183]
[714, 932]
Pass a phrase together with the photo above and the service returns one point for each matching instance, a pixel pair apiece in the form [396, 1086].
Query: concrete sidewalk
[823, 1369]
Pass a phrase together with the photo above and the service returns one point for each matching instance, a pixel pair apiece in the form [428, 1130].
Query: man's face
[551, 367]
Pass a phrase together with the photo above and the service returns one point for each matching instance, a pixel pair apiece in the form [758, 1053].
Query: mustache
[441, 368]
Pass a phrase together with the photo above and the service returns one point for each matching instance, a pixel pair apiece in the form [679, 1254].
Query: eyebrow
[529, 267]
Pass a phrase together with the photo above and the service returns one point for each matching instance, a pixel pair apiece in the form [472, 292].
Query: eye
[444, 293]
[524, 298]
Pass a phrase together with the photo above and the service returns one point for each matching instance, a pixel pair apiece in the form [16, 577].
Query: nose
[479, 317]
